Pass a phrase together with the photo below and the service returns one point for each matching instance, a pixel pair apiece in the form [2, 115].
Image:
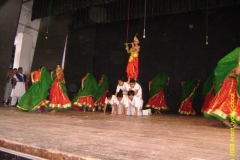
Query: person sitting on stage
[134, 86]
[19, 88]
[110, 100]
[122, 86]
[134, 104]
[122, 103]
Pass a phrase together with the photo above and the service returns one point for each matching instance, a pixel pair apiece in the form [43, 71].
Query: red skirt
[225, 102]
[85, 101]
[132, 69]
[58, 99]
[186, 107]
[101, 100]
[158, 101]
[207, 100]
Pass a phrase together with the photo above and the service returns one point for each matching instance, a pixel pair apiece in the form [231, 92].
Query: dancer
[122, 85]
[84, 98]
[132, 66]
[111, 100]
[8, 88]
[134, 104]
[58, 92]
[19, 86]
[226, 103]
[122, 103]
[208, 91]
[35, 96]
[134, 86]
[187, 95]
[156, 94]
[100, 95]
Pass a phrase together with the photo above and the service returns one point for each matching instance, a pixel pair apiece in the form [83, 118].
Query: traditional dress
[187, 95]
[132, 66]
[208, 91]
[111, 102]
[36, 95]
[134, 103]
[156, 94]
[138, 88]
[121, 104]
[226, 102]
[84, 98]
[19, 88]
[58, 93]
[124, 88]
[100, 95]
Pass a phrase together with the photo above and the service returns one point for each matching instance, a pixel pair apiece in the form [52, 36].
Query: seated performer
[132, 66]
[225, 105]
[35, 97]
[100, 95]
[208, 91]
[122, 104]
[84, 99]
[134, 86]
[187, 95]
[124, 86]
[19, 86]
[156, 94]
[134, 104]
[58, 93]
[110, 100]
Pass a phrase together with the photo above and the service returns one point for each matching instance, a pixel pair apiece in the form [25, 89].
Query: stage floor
[91, 135]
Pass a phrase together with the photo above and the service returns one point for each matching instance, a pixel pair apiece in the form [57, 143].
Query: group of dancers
[221, 91]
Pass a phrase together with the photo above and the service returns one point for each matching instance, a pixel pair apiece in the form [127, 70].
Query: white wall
[29, 33]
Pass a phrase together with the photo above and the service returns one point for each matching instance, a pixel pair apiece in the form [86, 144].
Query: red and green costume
[100, 96]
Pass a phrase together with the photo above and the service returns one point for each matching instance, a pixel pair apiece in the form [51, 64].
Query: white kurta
[135, 102]
[138, 88]
[111, 102]
[121, 104]
[19, 89]
[124, 88]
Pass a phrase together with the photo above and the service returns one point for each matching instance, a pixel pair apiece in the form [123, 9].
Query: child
[110, 100]
[134, 86]
[122, 103]
[122, 86]
[135, 104]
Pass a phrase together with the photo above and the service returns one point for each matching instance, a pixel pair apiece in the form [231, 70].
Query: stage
[91, 135]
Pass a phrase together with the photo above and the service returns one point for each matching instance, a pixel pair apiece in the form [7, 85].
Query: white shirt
[112, 101]
[123, 102]
[135, 102]
[138, 88]
[124, 88]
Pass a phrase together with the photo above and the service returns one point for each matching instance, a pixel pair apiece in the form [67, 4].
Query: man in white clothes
[110, 100]
[122, 103]
[134, 86]
[124, 86]
[134, 104]
[19, 86]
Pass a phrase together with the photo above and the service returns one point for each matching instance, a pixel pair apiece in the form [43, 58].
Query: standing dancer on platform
[156, 94]
[84, 98]
[8, 88]
[58, 92]
[208, 91]
[122, 85]
[35, 96]
[19, 86]
[100, 95]
[225, 106]
[132, 66]
[187, 95]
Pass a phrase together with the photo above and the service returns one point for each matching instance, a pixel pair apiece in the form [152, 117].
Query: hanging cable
[128, 20]
[144, 25]
[48, 18]
[206, 22]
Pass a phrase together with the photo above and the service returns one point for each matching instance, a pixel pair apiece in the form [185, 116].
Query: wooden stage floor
[77, 135]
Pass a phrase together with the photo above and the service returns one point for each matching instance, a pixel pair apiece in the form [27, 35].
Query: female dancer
[35, 96]
[226, 103]
[132, 67]
[156, 94]
[58, 92]
[187, 95]
[100, 95]
[208, 91]
[84, 98]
